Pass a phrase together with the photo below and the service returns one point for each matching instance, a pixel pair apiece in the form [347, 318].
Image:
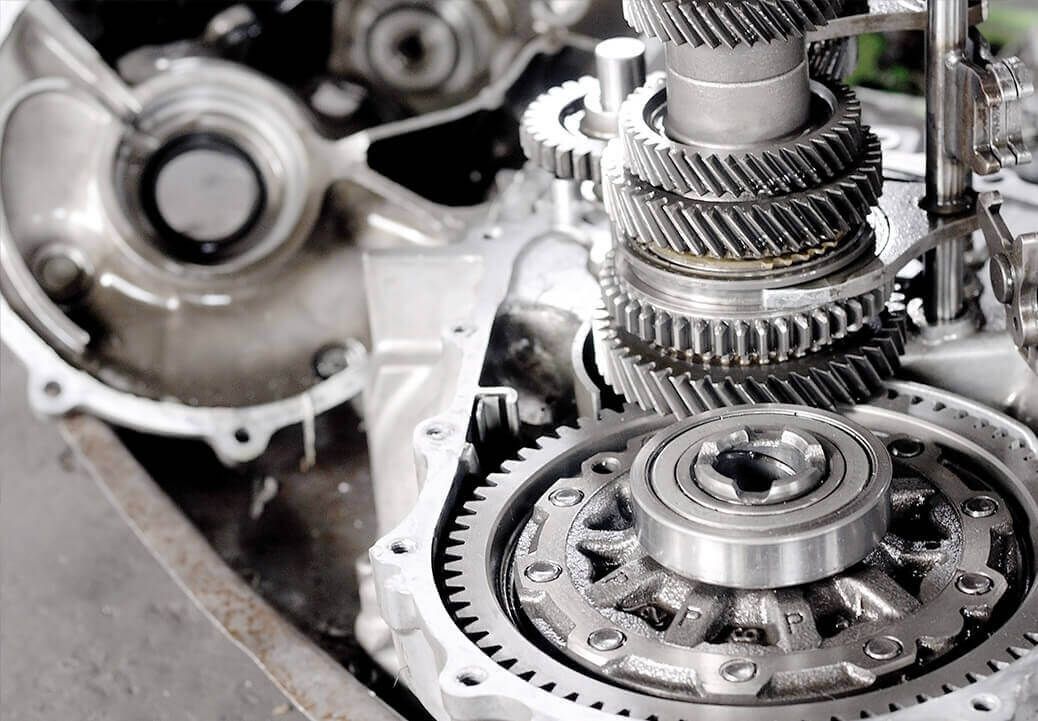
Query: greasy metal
[320, 688]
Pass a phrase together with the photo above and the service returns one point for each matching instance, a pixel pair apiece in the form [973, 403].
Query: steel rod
[947, 179]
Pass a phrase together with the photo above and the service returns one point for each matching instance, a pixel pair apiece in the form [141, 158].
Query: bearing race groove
[754, 228]
[832, 145]
[747, 337]
[728, 23]
[728, 546]
[551, 137]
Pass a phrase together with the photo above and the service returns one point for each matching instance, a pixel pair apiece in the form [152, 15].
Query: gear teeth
[554, 146]
[830, 59]
[810, 160]
[726, 340]
[662, 384]
[728, 23]
[760, 228]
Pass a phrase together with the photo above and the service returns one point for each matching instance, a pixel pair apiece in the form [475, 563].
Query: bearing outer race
[796, 548]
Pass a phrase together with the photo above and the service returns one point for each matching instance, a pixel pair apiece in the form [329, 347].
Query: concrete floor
[91, 627]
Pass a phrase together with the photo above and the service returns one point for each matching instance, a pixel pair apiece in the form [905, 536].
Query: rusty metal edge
[318, 686]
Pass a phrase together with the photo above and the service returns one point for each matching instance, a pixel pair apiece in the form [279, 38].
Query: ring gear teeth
[728, 23]
[477, 610]
[756, 228]
[844, 374]
[805, 162]
[771, 339]
[550, 133]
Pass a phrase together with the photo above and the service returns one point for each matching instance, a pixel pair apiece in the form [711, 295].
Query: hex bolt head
[906, 448]
[974, 584]
[566, 497]
[606, 639]
[543, 571]
[738, 670]
[883, 648]
[980, 506]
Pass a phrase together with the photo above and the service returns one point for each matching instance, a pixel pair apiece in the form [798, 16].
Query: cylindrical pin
[620, 63]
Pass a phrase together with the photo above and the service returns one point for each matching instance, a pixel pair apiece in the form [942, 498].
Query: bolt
[738, 670]
[61, 273]
[606, 639]
[979, 506]
[543, 571]
[974, 584]
[330, 360]
[907, 448]
[566, 497]
[1002, 278]
[883, 648]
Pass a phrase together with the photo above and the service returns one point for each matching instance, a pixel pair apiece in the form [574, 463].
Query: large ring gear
[827, 565]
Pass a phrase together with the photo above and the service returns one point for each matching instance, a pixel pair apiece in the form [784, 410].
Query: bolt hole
[605, 466]
[242, 435]
[472, 677]
[985, 703]
[402, 546]
[52, 389]
[436, 432]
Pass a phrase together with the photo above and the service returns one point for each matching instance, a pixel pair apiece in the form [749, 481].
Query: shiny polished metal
[737, 176]
[610, 632]
[761, 497]
[565, 130]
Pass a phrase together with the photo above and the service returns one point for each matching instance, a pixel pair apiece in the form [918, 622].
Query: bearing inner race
[761, 498]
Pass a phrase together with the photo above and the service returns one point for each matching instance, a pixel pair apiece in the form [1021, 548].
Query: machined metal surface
[529, 680]
[751, 498]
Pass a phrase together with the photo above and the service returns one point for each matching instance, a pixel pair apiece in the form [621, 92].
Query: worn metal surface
[91, 627]
[319, 686]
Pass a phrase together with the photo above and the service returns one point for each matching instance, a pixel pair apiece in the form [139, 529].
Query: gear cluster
[713, 226]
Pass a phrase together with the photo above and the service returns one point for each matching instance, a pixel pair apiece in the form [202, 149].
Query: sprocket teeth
[717, 23]
[550, 144]
[785, 167]
[659, 383]
[760, 228]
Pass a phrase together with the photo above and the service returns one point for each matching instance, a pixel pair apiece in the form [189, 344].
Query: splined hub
[555, 568]
[761, 497]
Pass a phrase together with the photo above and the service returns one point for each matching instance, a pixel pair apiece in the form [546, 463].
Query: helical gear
[848, 372]
[551, 135]
[831, 146]
[728, 23]
[763, 338]
[755, 228]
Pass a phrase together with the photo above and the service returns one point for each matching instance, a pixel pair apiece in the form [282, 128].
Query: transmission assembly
[767, 523]
[689, 386]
